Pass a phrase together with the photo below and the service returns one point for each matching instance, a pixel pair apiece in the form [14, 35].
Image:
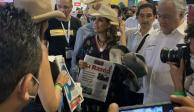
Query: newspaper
[73, 91]
[95, 79]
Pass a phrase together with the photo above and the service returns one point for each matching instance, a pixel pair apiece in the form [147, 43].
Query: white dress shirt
[134, 38]
[158, 85]
[132, 22]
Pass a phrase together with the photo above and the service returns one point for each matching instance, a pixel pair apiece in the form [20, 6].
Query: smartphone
[159, 107]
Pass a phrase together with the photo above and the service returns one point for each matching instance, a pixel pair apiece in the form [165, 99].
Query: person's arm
[62, 79]
[177, 76]
[123, 40]
[49, 95]
[78, 44]
[187, 104]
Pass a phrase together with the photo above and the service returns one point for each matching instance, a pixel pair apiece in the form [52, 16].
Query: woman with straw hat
[105, 27]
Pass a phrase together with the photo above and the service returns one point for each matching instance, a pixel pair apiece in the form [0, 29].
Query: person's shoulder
[74, 19]
[155, 33]
[87, 27]
[154, 37]
[130, 31]
[53, 20]
[131, 18]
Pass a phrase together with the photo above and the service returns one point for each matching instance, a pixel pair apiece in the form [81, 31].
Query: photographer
[187, 103]
[178, 73]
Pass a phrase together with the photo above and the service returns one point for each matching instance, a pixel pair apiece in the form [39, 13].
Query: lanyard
[67, 33]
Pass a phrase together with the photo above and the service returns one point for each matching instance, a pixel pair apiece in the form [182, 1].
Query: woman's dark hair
[146, 5]
[189, 31]
[112, 32]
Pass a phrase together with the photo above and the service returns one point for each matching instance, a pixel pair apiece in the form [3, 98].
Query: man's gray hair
[180, 5]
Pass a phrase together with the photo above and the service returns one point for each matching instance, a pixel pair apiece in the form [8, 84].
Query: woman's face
[101, 24]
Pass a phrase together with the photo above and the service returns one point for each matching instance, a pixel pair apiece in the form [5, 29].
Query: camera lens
[169, 55]
[174, 56]
[164, 55]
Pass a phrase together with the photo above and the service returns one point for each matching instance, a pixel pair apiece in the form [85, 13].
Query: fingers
[183, 109]
[184, 101]
[182, 64]
[62, 78]
[82, 64]
[113, 108]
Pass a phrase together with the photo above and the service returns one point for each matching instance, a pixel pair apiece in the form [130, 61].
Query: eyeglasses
[34, 92]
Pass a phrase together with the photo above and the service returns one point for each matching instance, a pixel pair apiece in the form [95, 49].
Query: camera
[175, 55]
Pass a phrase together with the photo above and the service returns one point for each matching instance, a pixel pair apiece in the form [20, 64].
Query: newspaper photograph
[73, 91]
[95, 79]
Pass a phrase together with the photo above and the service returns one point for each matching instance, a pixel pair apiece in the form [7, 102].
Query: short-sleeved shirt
[56, 36]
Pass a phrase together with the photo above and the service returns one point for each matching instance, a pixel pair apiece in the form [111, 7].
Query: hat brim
[48, 15]
[135, 62]
[114, 20]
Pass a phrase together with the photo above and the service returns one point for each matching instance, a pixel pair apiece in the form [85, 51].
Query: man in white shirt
[132, 22]
[146, 15]
[158, 84]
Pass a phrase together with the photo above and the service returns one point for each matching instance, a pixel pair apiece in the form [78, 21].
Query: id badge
[68, 53]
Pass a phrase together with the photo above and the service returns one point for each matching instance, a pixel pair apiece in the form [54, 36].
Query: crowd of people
[131, 38]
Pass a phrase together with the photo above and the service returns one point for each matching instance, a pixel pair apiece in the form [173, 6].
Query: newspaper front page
[95, 79]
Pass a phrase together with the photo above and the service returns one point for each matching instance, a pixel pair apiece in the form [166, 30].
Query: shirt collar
[139, 33]
[181, 28]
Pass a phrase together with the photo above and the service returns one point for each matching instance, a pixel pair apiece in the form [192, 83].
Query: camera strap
[141, 43]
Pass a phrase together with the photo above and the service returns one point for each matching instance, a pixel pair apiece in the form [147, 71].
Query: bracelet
[179, 93]
[59, 86]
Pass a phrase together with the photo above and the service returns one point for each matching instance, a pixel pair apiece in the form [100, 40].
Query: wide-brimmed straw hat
[101, 8]
[132, 61]
[136, 63]
[40, 10]
[88, 2]
[130, 66]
